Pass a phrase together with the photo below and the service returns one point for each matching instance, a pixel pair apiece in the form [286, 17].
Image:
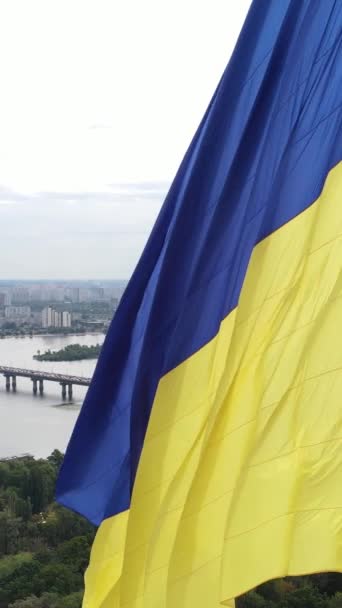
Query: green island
[44, 549]
[72, 352]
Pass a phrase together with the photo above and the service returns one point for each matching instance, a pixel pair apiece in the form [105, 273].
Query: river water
[39, 424]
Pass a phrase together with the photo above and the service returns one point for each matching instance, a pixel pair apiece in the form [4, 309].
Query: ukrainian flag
[208, 449]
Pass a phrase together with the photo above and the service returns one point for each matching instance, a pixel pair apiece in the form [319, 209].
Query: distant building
[94, 325]
[53, 318]
[56, 294]
[77, 316]
[84, 294]
[20, 294]
[47, 317]
[36, 294]
[96, 294]
[8, 299]
[41, 293]
[17, 313]
[5, 299]
[57, 319]
[111, 293]
[72, 294]
[115, 302]
[66, 319]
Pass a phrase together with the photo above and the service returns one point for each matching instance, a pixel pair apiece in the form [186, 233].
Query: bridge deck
[41, 375]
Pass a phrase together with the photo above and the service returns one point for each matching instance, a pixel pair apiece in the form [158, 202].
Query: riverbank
[45, 334]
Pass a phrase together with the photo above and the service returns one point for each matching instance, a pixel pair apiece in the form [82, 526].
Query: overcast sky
[99, 101]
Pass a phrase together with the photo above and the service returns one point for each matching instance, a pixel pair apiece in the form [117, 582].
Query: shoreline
[53, 335]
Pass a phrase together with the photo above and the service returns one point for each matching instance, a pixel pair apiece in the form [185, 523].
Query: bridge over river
[38, 378]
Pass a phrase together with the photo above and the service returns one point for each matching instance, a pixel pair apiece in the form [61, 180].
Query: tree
[327, 582]
[19, 584]
[3, 474]
[47, 600]
[307, 596]
[74, 600]
[56, 578]
[9, 533]
[253, 600]
[11, 564]
[335, 601]
[75, 553]
[56, 459]
[42, 484]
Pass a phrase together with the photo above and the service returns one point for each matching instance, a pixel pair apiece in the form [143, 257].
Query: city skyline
[27, 308]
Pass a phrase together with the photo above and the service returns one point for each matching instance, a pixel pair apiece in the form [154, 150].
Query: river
[39, 424]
